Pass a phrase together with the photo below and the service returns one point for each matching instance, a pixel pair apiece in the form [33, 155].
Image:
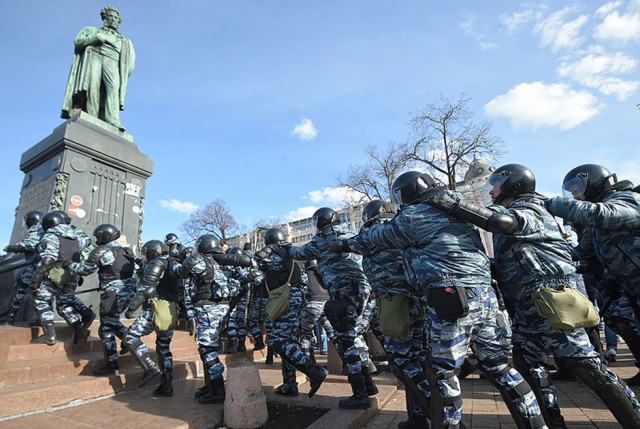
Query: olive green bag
[395, 319]
[278, 304]
[165, 314]
[565, 308]
[60, 276]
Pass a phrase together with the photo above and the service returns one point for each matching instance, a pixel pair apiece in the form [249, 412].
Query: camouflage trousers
[68, 306]
[312, 312]
[143, 325]
[449, 343]
[408, 354]
[238, 320]
[351, 345]
[22, 286]
[369, 321]
[208, 322]
[257, 316]
[534, 341]
[113, 300]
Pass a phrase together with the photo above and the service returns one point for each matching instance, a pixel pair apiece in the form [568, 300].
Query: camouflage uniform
[443, 253]
[343, 277]
[536, 255]
[115, 268]
[313, 311]
[29, 243]
[237, 331]
[284, 337]
[615, 233]
[258, 314]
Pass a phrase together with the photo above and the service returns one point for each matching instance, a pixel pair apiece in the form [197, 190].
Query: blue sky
[263, 103]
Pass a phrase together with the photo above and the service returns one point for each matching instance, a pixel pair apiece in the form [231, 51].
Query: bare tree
[215, 218]
[447, 140]
[373, 179]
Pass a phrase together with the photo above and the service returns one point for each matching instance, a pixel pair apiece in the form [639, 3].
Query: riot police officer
[349, 292]
[28, 246]
[446, 259]
[280, 269]
[115, 267]
[531, 253]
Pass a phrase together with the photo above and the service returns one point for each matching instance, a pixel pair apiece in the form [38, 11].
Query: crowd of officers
[416, 275]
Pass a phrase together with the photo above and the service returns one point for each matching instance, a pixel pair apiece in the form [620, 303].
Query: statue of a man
[102, 62]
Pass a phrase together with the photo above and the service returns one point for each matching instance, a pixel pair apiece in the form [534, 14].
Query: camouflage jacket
[615, 232]
[438, 250]
[30, 242]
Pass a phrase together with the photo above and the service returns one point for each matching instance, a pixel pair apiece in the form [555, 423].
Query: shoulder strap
[293, 264]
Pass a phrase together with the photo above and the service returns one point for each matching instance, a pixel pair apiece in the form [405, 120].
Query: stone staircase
[47, 386]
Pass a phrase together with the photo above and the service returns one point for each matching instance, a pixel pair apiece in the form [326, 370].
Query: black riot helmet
[511, 180]
[208, 243]
[106, 233]
[154, 248]
[274, 236]
[588, 182]
[65, 216]
[377, 208]
[32, 218]
[171, 238]
[234, 251]
[325, 217]
[52, 219]
[409, 186]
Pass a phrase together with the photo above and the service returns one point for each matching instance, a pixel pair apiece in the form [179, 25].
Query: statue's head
[111, 17]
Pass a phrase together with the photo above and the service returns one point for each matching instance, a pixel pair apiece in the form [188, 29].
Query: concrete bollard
[245, 406]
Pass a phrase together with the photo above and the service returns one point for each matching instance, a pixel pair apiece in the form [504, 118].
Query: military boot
[289, 387]
[370, 385]
[88, 316]
[204, 390]
[165, 388]
[316, 375]
[48, 337]
[259, 343]
[269, 359]
[232, 345]
[216, 394]
[80, 333]
[359, 399]
[150, 367]
[242, 345]
[414, 422]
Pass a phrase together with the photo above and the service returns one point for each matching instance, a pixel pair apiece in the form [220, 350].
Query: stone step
[24, 398]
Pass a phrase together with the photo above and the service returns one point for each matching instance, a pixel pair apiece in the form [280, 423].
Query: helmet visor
[575, 187]
[493, 185]
[314, 223]
[396, 196]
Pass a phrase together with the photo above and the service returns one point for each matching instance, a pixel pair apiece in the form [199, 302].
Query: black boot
[259, 343]
[316, 375]
[289, 386]
[80, 333]
[204, 390]
[150, 367]
[232, 345]
[48, 337]
[415, 422]
[269, 359]
[216, 394]
[107, 370]
[359, 399]
[165, 388]
[242, 346]
[370, 385]
[88, 316]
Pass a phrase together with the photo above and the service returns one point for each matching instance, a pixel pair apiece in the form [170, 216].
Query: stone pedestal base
[245, 405]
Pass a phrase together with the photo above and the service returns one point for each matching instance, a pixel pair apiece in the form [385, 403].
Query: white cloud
[300, 213]
[616, 26]
[184, 207]
[517, 19]
[595, 71]
[540, 105]
[333, 196]
[305, 130]
[470, 28]
[558, 32]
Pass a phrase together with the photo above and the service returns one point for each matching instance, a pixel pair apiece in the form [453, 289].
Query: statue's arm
[88, 36]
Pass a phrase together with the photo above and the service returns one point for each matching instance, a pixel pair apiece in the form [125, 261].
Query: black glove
[14, 248]
[339, 246]
[440, 199]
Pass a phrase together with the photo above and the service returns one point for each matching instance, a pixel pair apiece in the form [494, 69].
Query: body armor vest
[169, 284]
[316, 291]
[121, 269]
[204, 282]
[69, 249]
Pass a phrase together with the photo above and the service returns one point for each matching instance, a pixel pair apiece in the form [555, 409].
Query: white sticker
[131, 189]
[135, 209]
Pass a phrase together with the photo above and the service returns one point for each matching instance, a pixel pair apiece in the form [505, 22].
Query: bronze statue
[102, 62]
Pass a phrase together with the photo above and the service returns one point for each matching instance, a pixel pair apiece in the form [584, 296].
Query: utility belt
[203, 302]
